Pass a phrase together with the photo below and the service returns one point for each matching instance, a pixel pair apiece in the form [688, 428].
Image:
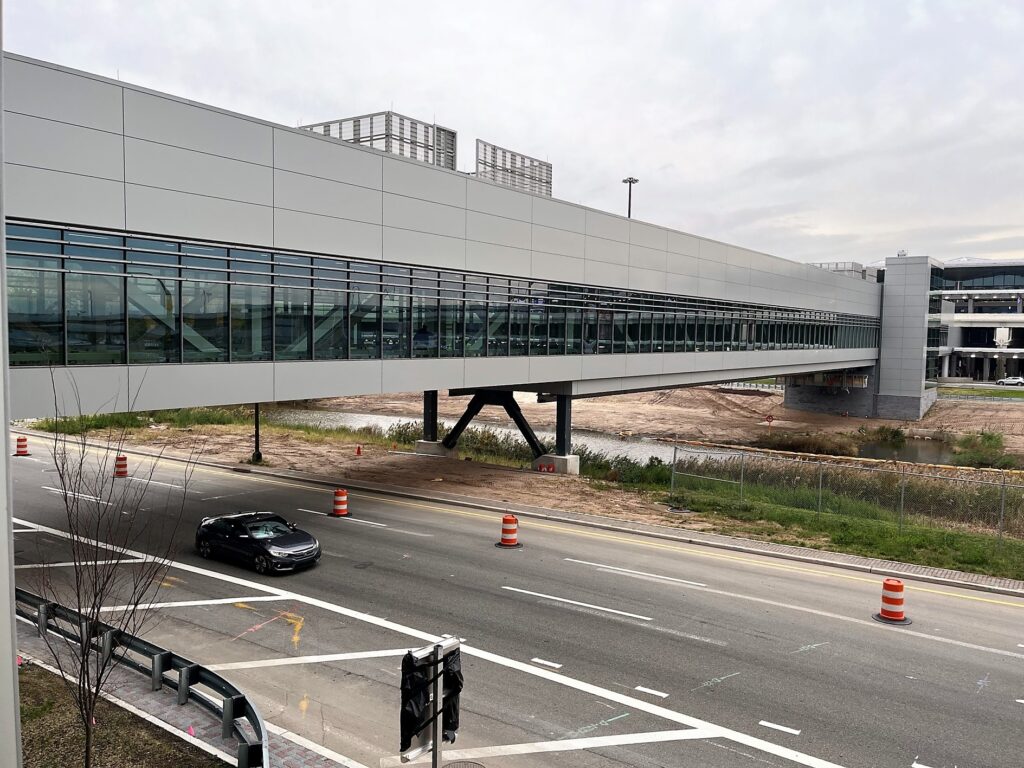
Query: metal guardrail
[984, 398]
[234, 710]
[752, 385]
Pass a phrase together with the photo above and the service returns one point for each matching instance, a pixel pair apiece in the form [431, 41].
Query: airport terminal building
[163, 253]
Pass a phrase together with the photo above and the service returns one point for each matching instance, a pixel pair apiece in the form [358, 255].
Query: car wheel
[261, 564]
[205, 550]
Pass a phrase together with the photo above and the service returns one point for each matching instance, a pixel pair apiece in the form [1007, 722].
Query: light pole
[631, 180]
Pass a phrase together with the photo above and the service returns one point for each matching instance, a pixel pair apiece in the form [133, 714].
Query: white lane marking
[562, 745]
[576, 602]
[711, 730]
[714, 681]
[323, 751]
[651, 691]
[863, 622]
[155, 482]
[227, 495]
[24, 530]
[778, 727]
[615, 568]
[292, 660]
[70, 563]
[311, 511]
[191, 603]
[413, 533]
[362, 522]
[1020, 701]
[916, 764]
[85, 496]
[543, 663]
[1020, 645]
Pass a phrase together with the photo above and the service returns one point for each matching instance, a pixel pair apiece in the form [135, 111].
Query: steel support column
[563, 425]
[495, 397]
[430, 415]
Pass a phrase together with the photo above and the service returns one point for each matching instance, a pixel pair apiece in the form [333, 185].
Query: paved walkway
[133, 689]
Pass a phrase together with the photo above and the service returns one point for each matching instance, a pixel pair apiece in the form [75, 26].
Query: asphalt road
[624, 649]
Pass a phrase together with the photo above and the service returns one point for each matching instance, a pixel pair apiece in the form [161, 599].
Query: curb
[541, 513]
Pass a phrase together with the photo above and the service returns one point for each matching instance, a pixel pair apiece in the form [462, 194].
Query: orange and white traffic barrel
[22, 446]
[892, 603]
[509, 533]
[121, 466]
[340, 503]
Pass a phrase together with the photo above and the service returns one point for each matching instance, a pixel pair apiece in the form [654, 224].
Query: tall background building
[397, 134]
[512, 169]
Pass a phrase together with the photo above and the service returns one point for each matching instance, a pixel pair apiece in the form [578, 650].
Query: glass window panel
[24, 246]
[95, 238]
[519, 330]
[396, 334]
[18, 230]
[35, 331]
[203, 250]
[632, 331]
[153, 317]
[252, 334]
[476, 329]
[204, 322]
[604, 333]
[497, 330]
[538, 330]
[293, 318]
[619, 332]
[94, 305]
[659, 334]
[646, 335]
[574, 331]
[590, 334]
[330, 325]
[451, 328]
[364, 319]
[33, 262]
[425, 319]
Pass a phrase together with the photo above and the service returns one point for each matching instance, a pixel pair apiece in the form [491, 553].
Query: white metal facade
[86, 150]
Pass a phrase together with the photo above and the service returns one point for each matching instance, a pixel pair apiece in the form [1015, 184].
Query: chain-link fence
[987, 502]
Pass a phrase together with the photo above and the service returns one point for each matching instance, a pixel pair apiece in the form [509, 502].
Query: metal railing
[753, 385]
[886, 493]
[239, 718]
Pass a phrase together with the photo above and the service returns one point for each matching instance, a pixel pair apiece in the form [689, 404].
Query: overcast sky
[813, 130]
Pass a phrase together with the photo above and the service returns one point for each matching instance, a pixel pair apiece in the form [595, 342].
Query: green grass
[52, 735]
[983, 449]
[760, 515]
[1012, 393]
[827, 443]
[183, 417]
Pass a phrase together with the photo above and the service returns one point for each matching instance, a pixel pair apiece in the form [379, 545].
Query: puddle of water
[915, 450]
[638, 448]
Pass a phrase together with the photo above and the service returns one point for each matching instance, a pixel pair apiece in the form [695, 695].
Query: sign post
[423, 699]
[769, 419]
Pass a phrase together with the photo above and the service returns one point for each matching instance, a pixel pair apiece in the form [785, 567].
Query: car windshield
[267, 529]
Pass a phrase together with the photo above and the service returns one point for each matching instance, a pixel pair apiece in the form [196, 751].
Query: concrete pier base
[563, 465]
[436, 448]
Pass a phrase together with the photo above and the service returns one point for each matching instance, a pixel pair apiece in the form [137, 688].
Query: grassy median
[52, 735]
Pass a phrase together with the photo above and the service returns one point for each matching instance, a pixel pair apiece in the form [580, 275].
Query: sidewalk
[131, 690]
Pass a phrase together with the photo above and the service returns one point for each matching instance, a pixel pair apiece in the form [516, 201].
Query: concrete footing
[562, 465]
[436, 448]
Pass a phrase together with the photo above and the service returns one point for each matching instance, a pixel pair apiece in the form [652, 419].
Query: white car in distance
[1012, 381]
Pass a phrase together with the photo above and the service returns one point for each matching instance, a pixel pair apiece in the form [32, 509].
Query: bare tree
[119, 554]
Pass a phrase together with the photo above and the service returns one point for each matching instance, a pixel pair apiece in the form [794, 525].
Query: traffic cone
[509, 533]
[340, 503]
[359, 450]
[22, 449]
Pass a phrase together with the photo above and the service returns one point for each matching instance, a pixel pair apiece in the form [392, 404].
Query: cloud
[813, 129]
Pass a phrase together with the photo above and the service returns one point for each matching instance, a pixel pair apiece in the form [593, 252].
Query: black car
[264, 540]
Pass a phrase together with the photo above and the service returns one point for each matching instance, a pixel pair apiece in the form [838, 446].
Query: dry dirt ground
[700, 414]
